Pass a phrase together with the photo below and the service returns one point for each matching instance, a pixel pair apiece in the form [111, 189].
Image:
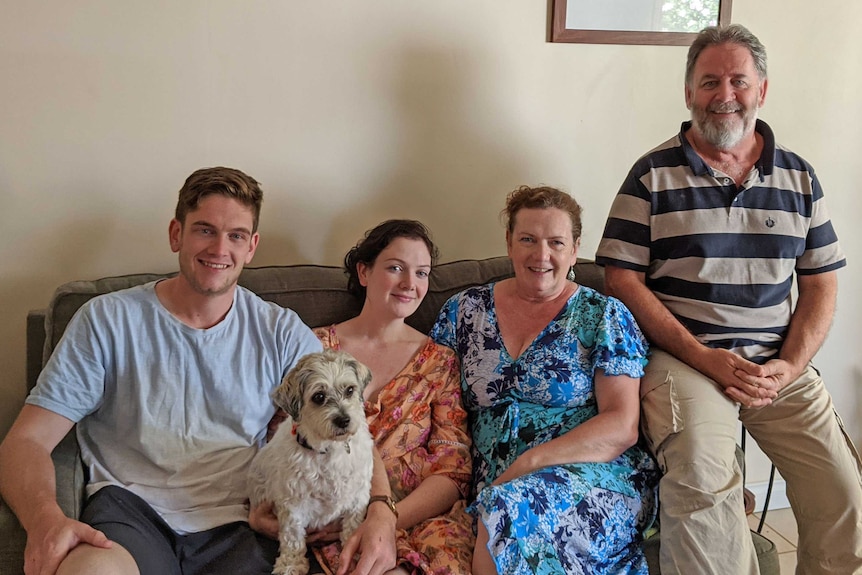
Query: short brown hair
[227, 182]
[541, 197]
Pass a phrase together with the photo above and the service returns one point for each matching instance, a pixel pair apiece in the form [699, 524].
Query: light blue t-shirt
[172, 413]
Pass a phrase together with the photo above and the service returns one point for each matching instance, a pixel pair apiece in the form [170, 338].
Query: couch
[318, 294]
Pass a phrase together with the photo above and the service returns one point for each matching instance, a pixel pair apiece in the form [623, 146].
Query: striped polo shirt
[722, 257]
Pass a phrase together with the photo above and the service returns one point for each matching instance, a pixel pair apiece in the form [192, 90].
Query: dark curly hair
[375, 241]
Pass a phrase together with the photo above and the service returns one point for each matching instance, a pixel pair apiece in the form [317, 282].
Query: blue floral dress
[565, 519]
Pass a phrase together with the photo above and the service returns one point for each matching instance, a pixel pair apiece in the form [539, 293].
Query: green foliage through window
[689, 15]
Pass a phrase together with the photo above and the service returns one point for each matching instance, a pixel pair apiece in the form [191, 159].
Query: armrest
[12, 541]
[67, 454]
[67, 464]
[35, 345]
[70, 496]
[70, 475]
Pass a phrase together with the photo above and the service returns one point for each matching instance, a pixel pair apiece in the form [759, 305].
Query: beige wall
[351, 112]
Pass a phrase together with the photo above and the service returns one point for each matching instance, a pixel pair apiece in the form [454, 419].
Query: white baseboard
[778, 499]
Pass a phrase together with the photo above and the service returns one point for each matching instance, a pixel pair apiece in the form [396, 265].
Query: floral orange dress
[420, 429]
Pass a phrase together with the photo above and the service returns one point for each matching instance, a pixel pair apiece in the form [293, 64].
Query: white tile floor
[780, 528]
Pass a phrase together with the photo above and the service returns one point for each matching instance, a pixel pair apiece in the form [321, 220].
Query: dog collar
[303, 442]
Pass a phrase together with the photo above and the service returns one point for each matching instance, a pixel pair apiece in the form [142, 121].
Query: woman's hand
[374, 541]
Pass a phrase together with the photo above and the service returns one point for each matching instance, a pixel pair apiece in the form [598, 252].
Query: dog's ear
[363, 374]
[289, 394]
[295, 392]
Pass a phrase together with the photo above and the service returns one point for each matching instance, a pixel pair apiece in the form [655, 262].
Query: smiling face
[724, 95]
[397, 281]
[214, 243]
[542, 250]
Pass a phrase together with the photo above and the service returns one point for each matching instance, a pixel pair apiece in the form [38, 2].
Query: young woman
[413, 402]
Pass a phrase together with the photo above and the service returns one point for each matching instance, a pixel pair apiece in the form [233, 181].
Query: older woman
[413, 402]
[550, 372]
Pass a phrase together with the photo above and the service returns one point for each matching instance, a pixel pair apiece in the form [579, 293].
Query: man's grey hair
[733, 34]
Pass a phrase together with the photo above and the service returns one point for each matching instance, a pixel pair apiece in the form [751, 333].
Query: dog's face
[323, 395]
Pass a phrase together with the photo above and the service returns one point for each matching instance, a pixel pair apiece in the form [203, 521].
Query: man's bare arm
[28, 485]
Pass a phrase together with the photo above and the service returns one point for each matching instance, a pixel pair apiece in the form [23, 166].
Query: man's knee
[708, 476]
[88, 560]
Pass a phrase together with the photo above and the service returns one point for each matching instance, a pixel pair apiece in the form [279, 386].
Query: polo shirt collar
[764, 165]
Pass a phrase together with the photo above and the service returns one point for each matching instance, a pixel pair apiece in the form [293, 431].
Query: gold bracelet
[390, 503]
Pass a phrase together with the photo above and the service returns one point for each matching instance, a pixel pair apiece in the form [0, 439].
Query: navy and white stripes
[701, 239]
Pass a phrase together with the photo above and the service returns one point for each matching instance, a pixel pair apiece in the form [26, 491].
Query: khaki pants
[691, 427]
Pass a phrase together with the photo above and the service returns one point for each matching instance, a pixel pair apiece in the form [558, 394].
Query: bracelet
[390, 503]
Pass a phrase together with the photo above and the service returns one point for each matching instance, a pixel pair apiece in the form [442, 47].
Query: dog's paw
[290, 571]
[290, 565]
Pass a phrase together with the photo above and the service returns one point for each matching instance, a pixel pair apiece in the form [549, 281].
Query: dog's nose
[342, 421]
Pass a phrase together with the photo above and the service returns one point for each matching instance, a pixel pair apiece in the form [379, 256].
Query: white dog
[317, 467]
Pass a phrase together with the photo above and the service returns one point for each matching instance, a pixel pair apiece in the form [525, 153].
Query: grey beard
[723, 136]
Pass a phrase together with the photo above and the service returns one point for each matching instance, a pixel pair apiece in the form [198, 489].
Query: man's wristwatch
[390, 503]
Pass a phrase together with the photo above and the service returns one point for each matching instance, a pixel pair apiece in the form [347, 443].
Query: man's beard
[724, 134]
[188, 273]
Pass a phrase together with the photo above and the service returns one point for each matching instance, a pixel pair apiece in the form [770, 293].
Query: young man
[169, 384]
[702, 244]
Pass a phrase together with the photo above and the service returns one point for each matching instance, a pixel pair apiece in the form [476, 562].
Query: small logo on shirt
[770, 223]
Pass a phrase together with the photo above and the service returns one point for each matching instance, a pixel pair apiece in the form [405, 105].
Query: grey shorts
[225, 550]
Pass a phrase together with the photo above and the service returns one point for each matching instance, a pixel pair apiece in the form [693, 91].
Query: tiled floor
[780, 528]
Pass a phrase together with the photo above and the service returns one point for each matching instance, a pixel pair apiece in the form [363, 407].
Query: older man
[702, 243]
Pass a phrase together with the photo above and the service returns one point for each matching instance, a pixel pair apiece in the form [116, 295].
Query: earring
[571, 275]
